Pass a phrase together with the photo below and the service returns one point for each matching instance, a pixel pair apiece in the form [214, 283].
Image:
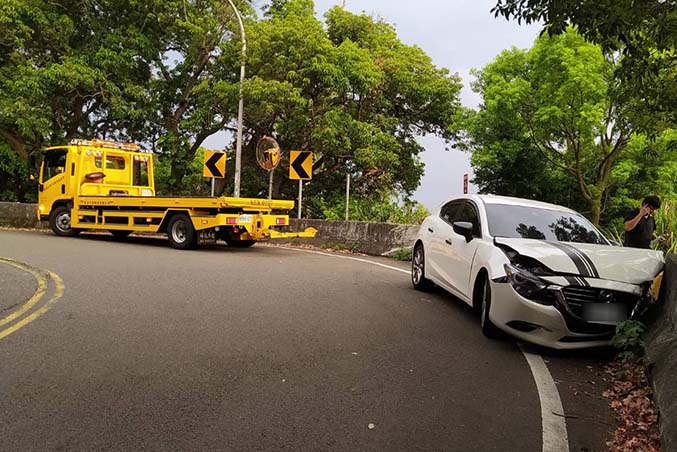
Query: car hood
[629, 265]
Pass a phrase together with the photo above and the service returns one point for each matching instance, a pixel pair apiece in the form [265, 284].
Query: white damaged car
[540, 272]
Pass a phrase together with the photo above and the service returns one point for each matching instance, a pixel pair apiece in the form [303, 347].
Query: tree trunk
[596, 208]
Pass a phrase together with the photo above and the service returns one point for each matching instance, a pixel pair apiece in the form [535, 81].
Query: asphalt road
[263, 349]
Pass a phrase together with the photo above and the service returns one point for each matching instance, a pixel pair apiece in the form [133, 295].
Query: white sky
[459, 35]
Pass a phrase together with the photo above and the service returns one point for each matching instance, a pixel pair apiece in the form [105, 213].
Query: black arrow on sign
[298, 164]
[211, 164]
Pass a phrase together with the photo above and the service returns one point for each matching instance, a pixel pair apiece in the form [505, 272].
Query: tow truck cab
[92, 168]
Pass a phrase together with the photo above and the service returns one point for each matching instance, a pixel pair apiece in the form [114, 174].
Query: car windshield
[541, 224]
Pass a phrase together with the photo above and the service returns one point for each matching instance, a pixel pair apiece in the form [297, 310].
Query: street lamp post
[238, 146]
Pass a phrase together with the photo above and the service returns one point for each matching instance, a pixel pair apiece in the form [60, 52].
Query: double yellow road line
[33, 307]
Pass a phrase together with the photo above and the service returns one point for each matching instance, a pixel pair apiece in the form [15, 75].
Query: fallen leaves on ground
[631, 397]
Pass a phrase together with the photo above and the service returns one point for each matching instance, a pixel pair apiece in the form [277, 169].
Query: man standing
[640, 225]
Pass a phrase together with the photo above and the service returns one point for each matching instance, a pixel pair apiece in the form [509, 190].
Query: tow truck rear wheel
[240, 243]
[60, 222]
[181, 232]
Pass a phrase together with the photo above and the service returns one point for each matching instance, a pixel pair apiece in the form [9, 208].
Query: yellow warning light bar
[106, 144]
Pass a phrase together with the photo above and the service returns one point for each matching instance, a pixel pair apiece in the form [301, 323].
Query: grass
[403, 254]
[666, 223]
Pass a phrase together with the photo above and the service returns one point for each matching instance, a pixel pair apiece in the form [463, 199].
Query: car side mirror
[463, 228]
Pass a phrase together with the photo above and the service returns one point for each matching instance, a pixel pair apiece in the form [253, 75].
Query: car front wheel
[488, 327]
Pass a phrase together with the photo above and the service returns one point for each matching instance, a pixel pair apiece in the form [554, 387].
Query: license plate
[245, 219]
[606, 313]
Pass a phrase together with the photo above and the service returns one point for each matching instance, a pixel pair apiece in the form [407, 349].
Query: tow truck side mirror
[33, 164]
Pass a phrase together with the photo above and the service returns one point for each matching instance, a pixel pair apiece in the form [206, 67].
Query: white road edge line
[555, 436]
[344, 257]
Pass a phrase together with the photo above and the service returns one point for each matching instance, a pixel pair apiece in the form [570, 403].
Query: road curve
[223, 349]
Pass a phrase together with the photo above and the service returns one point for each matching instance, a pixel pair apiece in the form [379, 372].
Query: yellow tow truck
[107, 185]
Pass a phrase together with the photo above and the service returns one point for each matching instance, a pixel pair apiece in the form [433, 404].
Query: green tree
[68, 69]
[558, 92]
[351, 92]
[195, 91]
[644, 31]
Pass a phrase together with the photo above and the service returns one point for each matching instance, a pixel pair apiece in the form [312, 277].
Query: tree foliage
[550, 128]
[645, 32]
[351, 92]
[166, 73]
[557, 93]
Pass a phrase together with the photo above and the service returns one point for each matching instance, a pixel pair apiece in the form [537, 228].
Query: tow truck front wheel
[60, 222]
[181, 232]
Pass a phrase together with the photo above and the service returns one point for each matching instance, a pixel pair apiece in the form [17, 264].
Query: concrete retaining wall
[369, 238]
[381, 239]
[662, 355]
[17, 215]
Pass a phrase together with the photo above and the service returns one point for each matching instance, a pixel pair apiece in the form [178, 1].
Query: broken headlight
[531, 286]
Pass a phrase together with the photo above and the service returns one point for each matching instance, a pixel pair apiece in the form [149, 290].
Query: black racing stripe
[588, 262]
[591, 264]
[580, 256]
[583, 282]
[575, 258]
[572, 281]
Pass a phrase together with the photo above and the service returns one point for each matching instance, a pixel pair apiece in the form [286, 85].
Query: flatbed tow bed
[101, 185]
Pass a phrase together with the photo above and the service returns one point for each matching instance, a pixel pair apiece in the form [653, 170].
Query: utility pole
[347, 193]
[240, 109]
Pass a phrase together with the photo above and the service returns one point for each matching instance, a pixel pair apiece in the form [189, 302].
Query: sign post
[347, 194]
[300, 198]
[300, 168]
[214, 166]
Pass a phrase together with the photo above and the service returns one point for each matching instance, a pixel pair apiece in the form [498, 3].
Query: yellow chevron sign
[301, 165]
[215, 164]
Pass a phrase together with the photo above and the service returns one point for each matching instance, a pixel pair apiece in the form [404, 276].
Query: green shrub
[629, 339]
[403, 254]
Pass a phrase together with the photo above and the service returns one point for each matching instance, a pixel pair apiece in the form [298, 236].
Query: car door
[53, 180]
[459, 253]
[437, 253]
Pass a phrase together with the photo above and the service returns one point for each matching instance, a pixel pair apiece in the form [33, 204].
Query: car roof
[510, 201]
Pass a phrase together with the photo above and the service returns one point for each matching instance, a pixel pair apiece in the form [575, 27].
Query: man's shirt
[642, 234]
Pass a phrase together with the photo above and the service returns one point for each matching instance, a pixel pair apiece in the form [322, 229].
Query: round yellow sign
[268, 153]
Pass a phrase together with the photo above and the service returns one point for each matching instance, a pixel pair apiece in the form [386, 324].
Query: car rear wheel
[488, 327]
[418, 279]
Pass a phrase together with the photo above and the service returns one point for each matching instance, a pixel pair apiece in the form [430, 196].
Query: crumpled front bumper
[538, 324]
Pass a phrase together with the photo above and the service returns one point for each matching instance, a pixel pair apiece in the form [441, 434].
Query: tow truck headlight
[531, 286]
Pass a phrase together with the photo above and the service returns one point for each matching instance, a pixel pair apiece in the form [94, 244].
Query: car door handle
[448, 241]
[430, 230]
